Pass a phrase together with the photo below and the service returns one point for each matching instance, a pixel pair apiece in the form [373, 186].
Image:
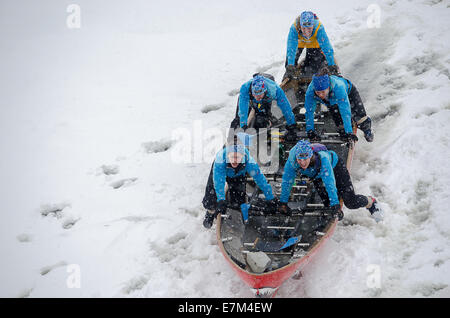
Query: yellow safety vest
[303, 42]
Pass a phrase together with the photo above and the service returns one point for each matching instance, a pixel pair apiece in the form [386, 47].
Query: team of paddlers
[307, 158]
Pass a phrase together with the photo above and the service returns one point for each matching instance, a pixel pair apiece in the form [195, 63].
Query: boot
[209, 219]
[368, 135]
[375, 211]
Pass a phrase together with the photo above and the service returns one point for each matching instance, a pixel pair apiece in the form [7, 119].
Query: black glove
[290, 71]
[221, 207]
[349, 137]
[285, 209]
[337, 212]
[313, 136]
[245, 127]
[272, 206]
[334, 70]
[291, 134]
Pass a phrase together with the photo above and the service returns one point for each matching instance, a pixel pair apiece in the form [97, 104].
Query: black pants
[357, 109]
[314, 60]
[261, 120]
[344, 188]
[236, 191]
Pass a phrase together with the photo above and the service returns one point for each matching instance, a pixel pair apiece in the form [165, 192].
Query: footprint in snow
[394, 82]
[55, 210]
[25, 293]
[174, 239]
[212, 107]
[263, 69]
[343, 19]
[377, 189]
[388, 94]
[109, 169]
[195, 212]
[59, 211]
[24, 238]
[392, 110]
[428, 289]
[171, 248]
[438, 263]
[420, 64]
[69, 222]
[157, 146]
[433, 2]
[135, 284]
[234, 92]
[47, 269]
[123, 183]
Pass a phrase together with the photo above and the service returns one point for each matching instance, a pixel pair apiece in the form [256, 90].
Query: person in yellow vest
[307, 32]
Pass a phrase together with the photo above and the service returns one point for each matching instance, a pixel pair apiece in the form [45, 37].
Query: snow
[92, 175]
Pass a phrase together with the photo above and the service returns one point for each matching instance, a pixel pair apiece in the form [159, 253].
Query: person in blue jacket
[231, 165]
[330, 177]
[343, 100]
[257, 95]
[307, 32]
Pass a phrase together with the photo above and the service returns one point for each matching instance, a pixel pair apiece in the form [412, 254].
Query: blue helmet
[307, 19]
[303, 150]
[258, 85]
[235, 148]
[321, 83]
[245, 139]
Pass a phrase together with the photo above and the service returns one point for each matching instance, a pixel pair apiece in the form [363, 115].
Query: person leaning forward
[307, 32]
[231, 165]
[330, 178]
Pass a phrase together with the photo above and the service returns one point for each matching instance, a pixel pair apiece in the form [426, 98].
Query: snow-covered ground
[94, 185]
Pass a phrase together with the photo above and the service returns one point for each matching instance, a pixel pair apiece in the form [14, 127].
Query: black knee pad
[354, 201]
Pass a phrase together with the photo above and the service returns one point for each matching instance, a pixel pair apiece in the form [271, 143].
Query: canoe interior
[238, 238]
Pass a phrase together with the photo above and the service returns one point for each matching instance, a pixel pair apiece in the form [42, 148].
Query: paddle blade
[244, 210]
[290, 242]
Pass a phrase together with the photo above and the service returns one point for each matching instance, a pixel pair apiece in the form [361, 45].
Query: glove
[245, 127]
[285, 209]
[221, 207]
[313, 136]
[334, 70]
[350, 137]
[290, 71]
[272, 206]
[291, 134]
[337, 212]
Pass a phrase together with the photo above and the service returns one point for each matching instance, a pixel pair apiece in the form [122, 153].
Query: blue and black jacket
[274, 92]
[222, 170]
[325, 161]
[338, 95]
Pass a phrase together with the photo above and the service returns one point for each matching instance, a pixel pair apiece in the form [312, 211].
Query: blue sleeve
[219, 178]
[292, 45]
[325, 45]
[255, 172]
[285, 106]
[244, 101]
[287, 181]
[344, 108]
[327, 175]
[310, 107]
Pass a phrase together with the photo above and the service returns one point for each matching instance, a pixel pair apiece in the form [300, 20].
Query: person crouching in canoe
[255, 100]
[307, 32]
[330, 177]
[343, 100]
[231, 165]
